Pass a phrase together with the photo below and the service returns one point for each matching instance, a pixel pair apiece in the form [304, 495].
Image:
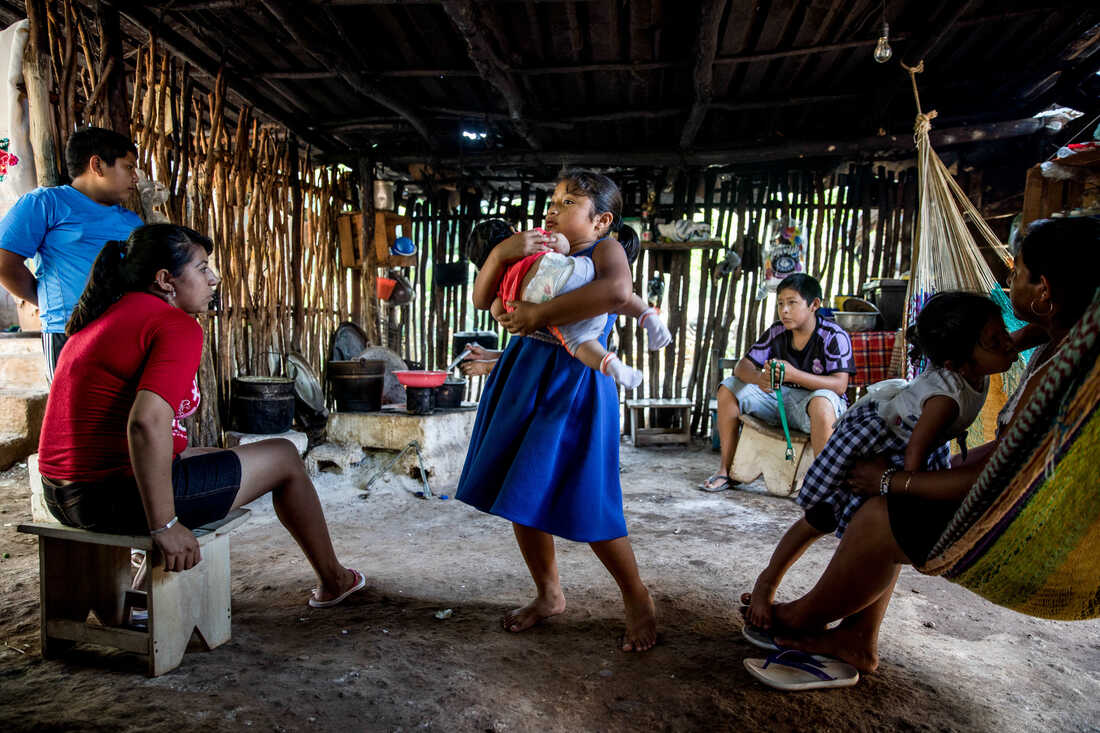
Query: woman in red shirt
[113, 454]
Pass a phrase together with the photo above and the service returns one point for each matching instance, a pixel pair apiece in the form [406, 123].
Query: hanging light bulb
[883, 52]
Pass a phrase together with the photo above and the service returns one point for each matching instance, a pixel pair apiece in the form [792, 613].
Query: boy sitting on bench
[816, 355]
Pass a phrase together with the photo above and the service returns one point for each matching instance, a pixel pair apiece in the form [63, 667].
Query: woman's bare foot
[544, 606]
[843, 643]
[641, 623]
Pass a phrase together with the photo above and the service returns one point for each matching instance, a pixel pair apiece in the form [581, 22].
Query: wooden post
[370, 259]
[36, 76]
[297, 314]
[117, 107]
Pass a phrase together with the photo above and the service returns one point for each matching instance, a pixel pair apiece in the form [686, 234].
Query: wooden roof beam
[471, 25]
[793, 150]
[137, 14]
[706, 48]
[568, 122]
[317, 48]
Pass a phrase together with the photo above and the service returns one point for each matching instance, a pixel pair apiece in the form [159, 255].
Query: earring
[1050, 309]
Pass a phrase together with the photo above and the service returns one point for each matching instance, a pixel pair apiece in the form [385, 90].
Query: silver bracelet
[884, 484]
[165, 528]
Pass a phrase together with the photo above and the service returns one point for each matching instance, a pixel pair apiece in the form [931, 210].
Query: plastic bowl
[403, 246]
[420, 378]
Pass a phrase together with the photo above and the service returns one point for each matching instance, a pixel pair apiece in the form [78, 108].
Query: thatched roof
[628, 82]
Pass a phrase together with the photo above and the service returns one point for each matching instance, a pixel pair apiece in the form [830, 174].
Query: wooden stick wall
[234, 183]
[856, 223]
[272, 215]
[270, 212]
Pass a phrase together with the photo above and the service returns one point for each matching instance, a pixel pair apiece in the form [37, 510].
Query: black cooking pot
[263, 405]
[451, 392]
[357, 384]
[486, 339]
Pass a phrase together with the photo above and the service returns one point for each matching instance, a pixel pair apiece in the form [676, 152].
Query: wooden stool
[659, 436]
[81, 571]
[762, 449]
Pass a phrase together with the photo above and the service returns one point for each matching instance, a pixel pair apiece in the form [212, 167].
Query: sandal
[726, 483]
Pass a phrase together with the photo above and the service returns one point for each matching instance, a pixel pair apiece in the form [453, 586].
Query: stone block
[338, 455]
[23, 371]
[443, 437]
[20, 343]
[13, 448]
[21, 412]
[300, 440]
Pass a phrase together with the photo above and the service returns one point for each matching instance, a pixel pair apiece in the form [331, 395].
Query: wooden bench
[659, 436]
[81, 571]
[762, 449]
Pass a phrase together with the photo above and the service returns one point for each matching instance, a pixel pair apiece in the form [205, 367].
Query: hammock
[1027, 536]
[945, 255]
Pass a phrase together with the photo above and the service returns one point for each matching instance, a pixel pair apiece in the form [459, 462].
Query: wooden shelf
[1045, 196]
[684, 246]
[352, 254]
[1083, 159]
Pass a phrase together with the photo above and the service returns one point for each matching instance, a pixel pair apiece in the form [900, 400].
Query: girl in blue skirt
[545, 447]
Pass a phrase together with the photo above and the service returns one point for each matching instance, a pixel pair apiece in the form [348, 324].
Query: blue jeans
[204, 487]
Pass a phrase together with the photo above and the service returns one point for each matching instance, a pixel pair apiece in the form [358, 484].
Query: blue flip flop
[792, 670]
[760, 638]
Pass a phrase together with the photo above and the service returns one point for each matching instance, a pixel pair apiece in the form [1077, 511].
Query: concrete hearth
[443, 437]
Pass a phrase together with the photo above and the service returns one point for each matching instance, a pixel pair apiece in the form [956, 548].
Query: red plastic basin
[417, 378]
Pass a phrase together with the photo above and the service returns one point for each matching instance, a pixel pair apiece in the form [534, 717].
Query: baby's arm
[650, 319]
[497, 307]
[635, 307]
[937, 413]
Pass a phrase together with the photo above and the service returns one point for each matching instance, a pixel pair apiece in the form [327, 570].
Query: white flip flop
[793, 670]
[359, 585]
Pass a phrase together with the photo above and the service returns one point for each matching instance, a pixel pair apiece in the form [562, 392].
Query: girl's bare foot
[545, 605]
[760, 603]
[641, 623]
[843, 643]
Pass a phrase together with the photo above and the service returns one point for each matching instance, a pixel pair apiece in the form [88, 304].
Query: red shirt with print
[140, 342]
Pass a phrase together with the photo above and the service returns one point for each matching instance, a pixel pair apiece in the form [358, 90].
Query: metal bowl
[852, 322]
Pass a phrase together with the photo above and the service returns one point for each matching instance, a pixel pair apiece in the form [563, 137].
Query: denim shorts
[204, 487]
[756, 402]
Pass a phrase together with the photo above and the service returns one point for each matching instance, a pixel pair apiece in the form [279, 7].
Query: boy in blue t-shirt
[63, 228]
[817, 356]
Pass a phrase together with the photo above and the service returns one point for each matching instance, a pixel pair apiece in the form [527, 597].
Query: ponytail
[103, 289]
[628, 238]
[131, 266]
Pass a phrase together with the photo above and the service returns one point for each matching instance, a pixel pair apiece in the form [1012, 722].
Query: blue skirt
[545, 447]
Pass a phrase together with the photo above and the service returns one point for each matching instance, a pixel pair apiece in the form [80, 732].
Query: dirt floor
[383, 661]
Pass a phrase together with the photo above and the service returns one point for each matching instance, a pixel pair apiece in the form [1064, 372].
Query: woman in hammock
[900, 526]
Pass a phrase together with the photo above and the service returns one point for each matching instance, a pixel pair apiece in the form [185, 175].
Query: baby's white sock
[623, 375]
[659, 336]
